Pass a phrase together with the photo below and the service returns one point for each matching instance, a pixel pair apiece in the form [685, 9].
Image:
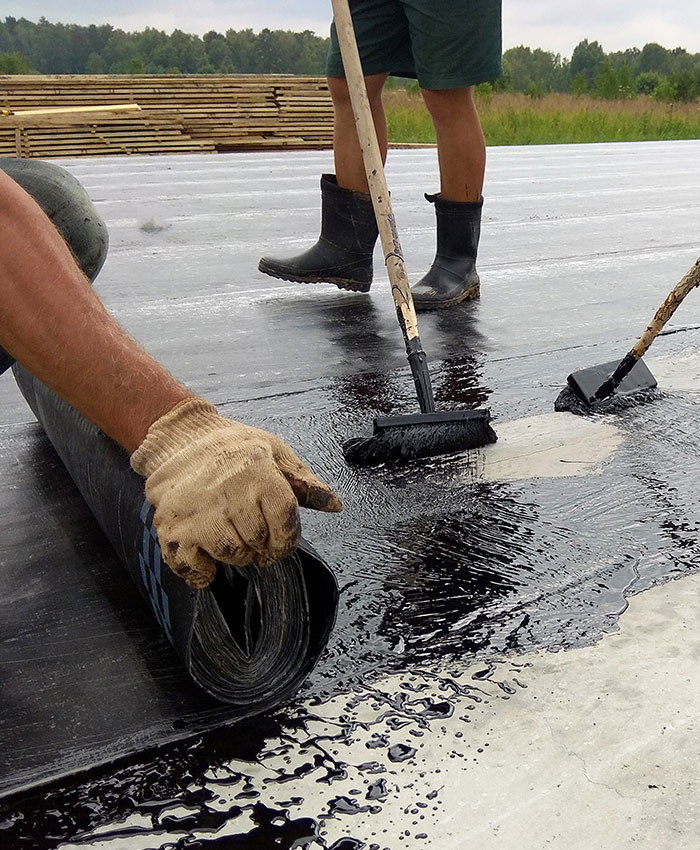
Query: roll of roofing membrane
[251, 637]
[69, 208]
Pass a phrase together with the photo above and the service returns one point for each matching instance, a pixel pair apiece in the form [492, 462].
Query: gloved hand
[223, 490]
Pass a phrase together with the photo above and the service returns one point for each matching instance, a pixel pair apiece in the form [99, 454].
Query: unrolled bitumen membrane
[252, 636]
[448, 568]
[248, 640]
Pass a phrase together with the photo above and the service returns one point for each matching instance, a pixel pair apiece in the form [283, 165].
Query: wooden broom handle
[378, 189]
[689, 281]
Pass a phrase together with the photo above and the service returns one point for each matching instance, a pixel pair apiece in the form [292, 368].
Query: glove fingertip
[318, 498]
[309, 490]
[331, 505]
[201, 578]
[196, 568]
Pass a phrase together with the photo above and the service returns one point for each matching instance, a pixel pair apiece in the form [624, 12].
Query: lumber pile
[65, 116]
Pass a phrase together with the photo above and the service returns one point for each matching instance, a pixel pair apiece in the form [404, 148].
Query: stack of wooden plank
[48, 116]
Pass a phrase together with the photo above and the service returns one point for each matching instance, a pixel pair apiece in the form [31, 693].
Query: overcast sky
[556, 25]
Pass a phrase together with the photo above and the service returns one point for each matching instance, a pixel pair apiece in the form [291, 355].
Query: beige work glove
[223, 490]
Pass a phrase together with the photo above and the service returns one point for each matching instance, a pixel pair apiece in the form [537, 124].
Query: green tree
[7, 42]
[57, 48]
[137, 65]
[535, 90]
[94, 64]
[654, 57]
[630, 57]
[186, 51]
[626, 85]
[586, 60]
[579, 85]
[218, 52]
[242, 45]
[312, 52]
[14, 63]
[684, 86]
[153, 45]
[605, 84]
[523, 66]
[665, 91]
[648, 81]
[117, 53]
[614, 83]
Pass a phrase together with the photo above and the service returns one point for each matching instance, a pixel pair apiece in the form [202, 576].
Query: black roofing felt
[580, 244]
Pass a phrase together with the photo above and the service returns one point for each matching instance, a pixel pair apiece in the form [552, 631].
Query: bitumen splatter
[296, 779]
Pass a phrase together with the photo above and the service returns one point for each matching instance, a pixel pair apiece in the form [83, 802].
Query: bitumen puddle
[453, 571]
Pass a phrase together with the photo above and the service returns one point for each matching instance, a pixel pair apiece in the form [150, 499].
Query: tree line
[672, 75]
[46, 48]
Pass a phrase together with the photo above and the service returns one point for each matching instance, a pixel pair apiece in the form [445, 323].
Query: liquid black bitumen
[436, 568]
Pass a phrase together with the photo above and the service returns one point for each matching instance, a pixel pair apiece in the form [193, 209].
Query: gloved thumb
[309, 490]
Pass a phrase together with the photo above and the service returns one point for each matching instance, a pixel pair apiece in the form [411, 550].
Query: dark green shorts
[444, 44]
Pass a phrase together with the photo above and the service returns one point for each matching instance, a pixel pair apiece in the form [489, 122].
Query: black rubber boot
[452, 277]
[343, 253]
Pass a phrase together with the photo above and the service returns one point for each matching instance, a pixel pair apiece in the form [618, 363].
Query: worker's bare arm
[222, 490]
[53, 323]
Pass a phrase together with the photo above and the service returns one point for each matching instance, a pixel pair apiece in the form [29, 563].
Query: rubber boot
[343, 253]
[67, 204]
[452, 277]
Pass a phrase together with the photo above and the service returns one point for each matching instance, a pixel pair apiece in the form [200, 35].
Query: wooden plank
[61, 118]
[207, 111]
[60, 110]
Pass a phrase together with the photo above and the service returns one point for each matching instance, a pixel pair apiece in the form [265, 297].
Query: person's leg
[456, 45]
[460, 143]
[343, 254]
[452, 277]
[347, 153]
[344, 251]
[65, 201]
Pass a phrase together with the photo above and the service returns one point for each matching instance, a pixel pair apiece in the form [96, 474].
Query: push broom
[630, 375]
[428, 433]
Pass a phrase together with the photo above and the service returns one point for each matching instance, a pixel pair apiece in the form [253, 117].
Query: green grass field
[513, 119]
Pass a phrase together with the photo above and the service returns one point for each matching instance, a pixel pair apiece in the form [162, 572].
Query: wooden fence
[68, 116]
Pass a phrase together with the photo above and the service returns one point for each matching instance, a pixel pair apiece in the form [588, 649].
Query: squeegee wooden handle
[689, 281]
[379, 191]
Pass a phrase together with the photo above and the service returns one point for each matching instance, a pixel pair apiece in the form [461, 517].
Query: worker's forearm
[55, 326]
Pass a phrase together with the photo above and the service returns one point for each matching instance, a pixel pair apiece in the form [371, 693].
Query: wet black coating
[474, 570]
[569, 402]
[436, 566]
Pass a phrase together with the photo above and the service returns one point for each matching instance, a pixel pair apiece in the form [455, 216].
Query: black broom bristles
[403, 438]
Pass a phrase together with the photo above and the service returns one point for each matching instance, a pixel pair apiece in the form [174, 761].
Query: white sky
[555, 25]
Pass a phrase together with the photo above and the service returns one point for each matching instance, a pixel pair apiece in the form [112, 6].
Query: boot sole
[470, 294]
[341, 283]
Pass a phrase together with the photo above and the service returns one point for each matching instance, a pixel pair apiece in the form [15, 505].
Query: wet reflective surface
[439, 569]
